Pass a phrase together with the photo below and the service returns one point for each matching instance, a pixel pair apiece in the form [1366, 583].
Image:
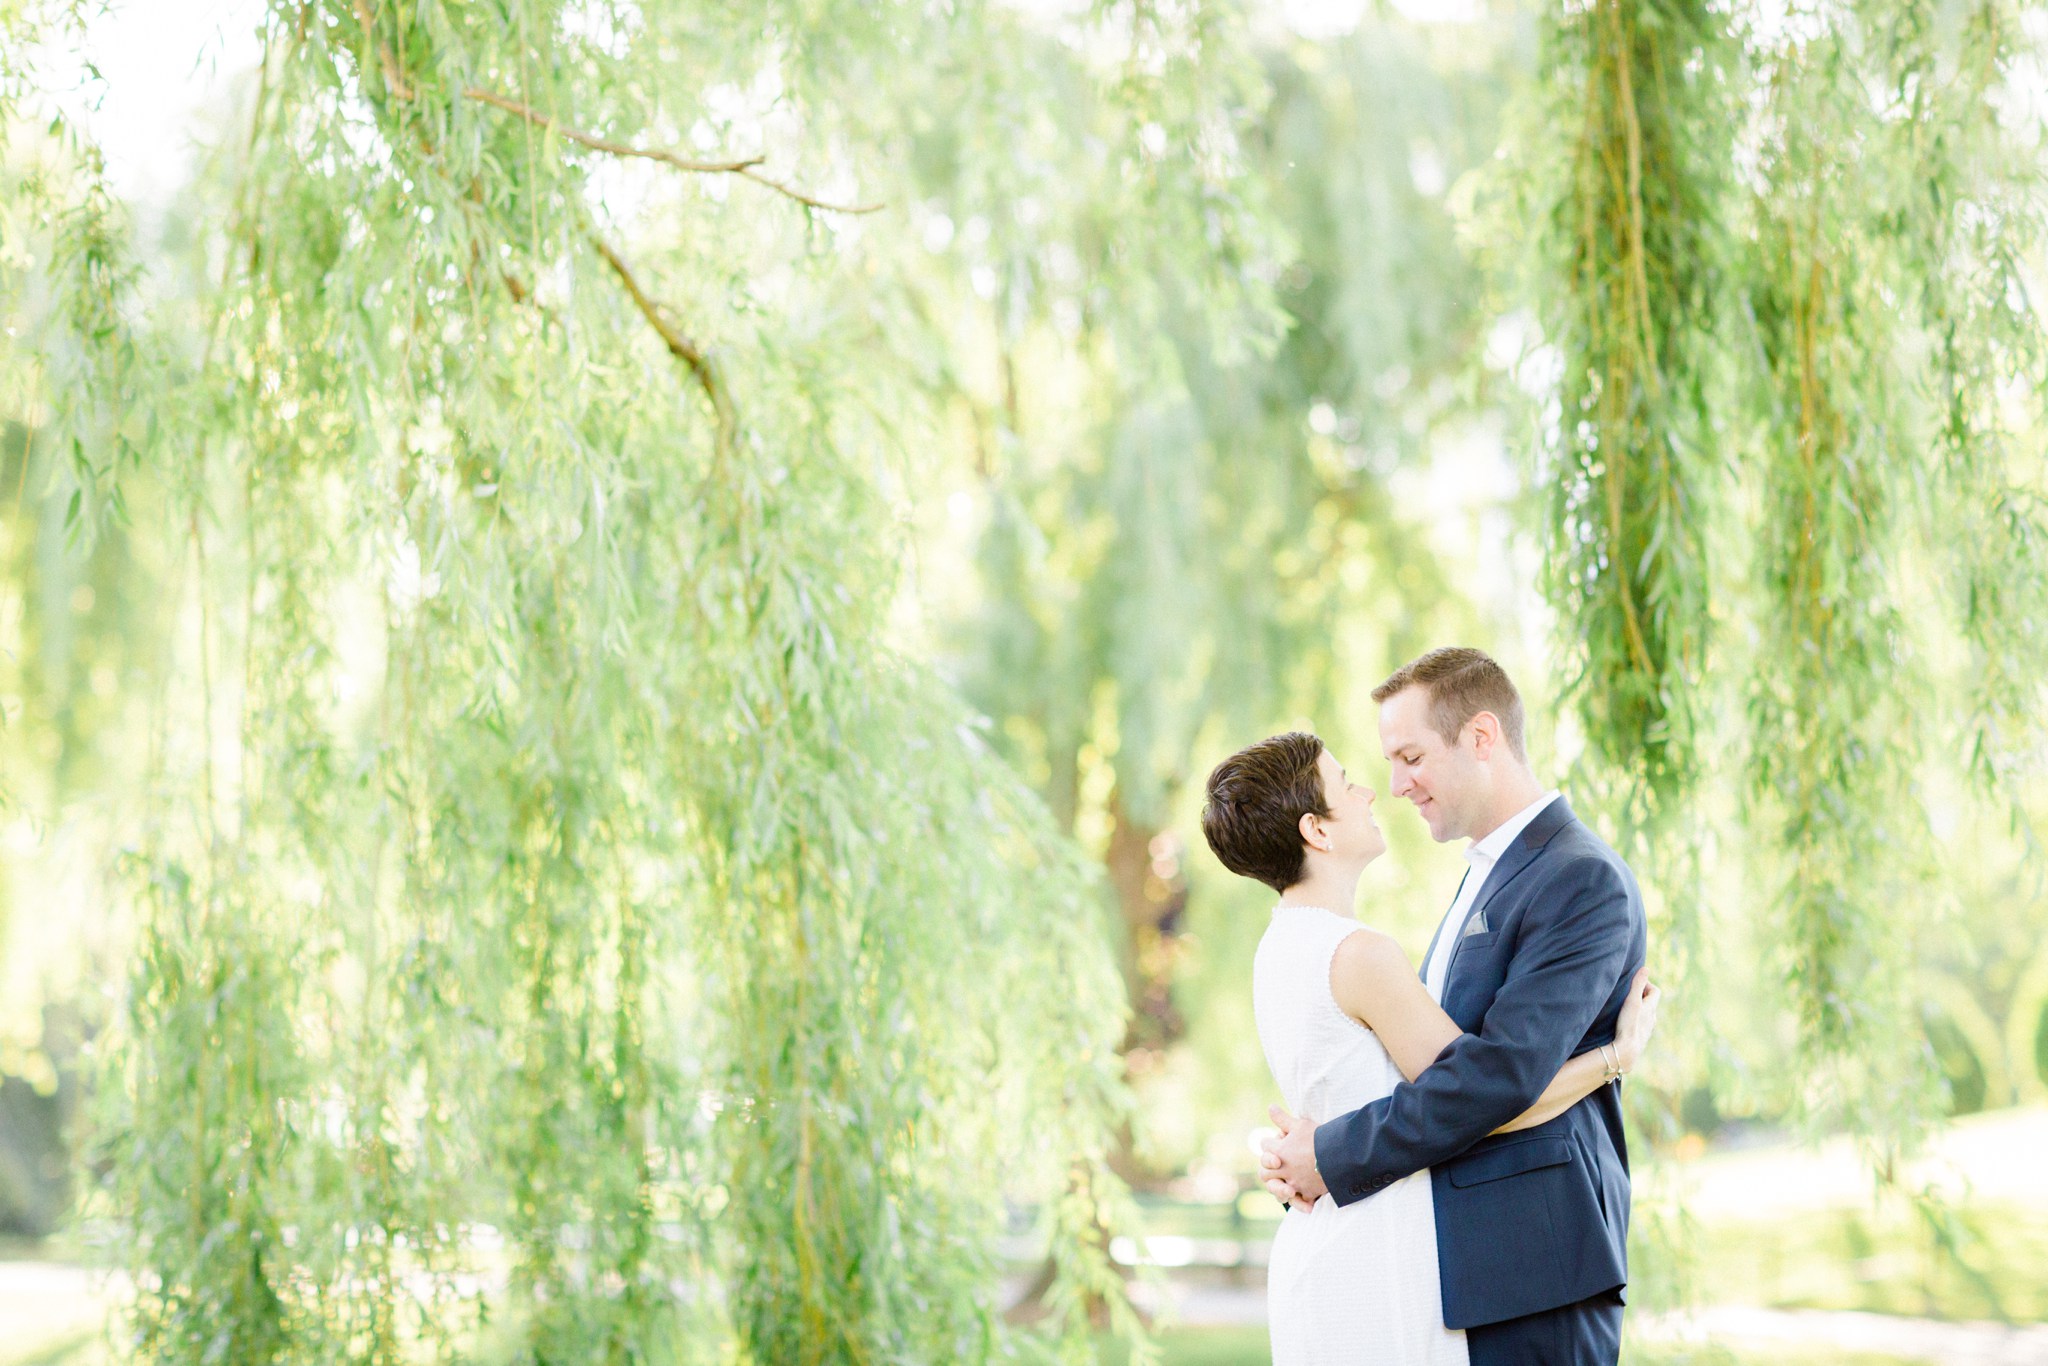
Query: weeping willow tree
[1899, 381]
[566, 918]
[1209, 546]
[77, 621]
[1797, 371]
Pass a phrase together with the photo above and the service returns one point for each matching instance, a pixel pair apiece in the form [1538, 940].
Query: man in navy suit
[1533, 962]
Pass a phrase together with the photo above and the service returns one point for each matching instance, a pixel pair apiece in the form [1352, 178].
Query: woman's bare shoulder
[1367, 972]
[1367, 953]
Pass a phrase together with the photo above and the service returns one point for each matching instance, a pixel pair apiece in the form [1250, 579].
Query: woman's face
[1350, 830]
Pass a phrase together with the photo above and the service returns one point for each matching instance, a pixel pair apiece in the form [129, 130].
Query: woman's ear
[1312, 831]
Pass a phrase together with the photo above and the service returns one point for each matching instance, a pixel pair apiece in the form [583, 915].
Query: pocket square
[1476, 925]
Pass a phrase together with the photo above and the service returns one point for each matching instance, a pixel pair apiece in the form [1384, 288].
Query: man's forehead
[1401, 724]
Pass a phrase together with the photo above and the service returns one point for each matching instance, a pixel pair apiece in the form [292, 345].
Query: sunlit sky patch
[166, 62]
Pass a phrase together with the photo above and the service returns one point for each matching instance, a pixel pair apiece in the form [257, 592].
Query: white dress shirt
[1481, 854]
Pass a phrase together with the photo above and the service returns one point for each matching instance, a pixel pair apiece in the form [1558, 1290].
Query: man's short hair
[1255, 801]
[1461, 682]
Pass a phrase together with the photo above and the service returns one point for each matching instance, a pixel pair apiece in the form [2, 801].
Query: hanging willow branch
[679, 346]
[1892, 209]
[1630, 289]
[1973, 215]
[1634, 252]
[747, 167]
[1826, 698]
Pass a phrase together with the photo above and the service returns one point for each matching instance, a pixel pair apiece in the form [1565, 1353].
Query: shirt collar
[1496, 842]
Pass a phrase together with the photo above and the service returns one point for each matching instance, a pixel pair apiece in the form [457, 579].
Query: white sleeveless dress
[1355, 1286]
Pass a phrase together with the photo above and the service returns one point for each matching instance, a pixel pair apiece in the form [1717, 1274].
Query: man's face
[1446, 781]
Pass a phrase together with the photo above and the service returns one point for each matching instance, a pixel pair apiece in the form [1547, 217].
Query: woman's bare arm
[1375, 984]
[1578, 1078]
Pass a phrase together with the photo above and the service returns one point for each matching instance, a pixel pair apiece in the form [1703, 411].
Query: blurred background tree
[1175, 560]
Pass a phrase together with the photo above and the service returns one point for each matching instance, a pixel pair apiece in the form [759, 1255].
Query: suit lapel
[1519, 856]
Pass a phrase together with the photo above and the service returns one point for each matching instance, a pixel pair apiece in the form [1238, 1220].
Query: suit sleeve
[1573, 950]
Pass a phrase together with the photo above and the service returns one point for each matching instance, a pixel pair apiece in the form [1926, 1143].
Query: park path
[1805, 1331]
[44, 1303]
[1951, 1344]
[1990, 1158]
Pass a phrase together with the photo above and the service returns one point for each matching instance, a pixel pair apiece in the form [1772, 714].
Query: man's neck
[1520, 789]
[1332, 889]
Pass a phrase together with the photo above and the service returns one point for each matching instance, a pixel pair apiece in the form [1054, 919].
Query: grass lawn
[1882, 1264]
[1203, 1347]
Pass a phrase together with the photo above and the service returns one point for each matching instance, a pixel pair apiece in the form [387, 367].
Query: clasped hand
[1289, 1160]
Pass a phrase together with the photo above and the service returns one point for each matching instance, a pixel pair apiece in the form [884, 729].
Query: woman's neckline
[1303, 906]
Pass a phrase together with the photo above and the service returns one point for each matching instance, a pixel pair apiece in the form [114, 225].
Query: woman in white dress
[1344, 1018]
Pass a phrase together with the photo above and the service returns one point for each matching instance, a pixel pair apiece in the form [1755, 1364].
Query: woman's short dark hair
[1256, 799]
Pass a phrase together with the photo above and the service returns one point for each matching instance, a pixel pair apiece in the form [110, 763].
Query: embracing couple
[1453, 1163]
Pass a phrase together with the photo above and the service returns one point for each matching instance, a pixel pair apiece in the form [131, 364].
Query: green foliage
[1626, 162]
[1827, 708]
[1140, 551]
[575, 917]
[557, 841]
[1788, 419]
[1892, 207]
[1794, 345]
[1210, 549]
[1635, 149]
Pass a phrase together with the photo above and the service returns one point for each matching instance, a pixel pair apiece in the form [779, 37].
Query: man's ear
[1486, 736]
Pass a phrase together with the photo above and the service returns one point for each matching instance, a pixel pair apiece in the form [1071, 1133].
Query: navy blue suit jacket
[1536, 1219]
